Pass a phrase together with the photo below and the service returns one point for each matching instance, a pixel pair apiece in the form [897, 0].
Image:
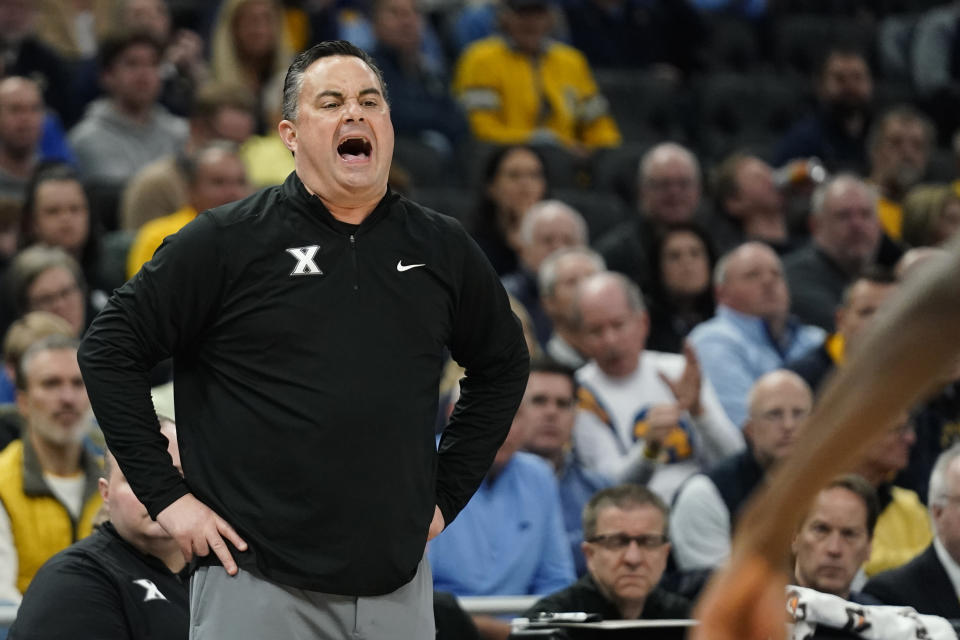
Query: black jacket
[307, 359]
[102, 587]
[922, 584]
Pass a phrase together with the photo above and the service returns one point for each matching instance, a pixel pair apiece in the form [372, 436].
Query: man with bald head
[644, 416]
[547, 226]
[707, 505]
[752, 332]
[669, 191]
[845, 239]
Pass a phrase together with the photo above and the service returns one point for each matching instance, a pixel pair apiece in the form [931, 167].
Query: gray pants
[247, 606]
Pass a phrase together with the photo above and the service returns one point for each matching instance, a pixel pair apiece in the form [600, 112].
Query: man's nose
[352, 110]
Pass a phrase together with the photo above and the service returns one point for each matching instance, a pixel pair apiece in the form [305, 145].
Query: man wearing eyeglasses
[930, 583]
[626, 547]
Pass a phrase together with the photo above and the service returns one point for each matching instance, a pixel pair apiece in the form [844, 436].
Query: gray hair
[52, 342]
[544, 208]
[666, 147]
[293, 81]
[547, 275]
[819, 197]
[723, 264]
[629, 288]
[33, 261]
[937, 494]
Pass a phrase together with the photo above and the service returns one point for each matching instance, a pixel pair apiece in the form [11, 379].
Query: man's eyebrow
[369, 91]
[336, 94]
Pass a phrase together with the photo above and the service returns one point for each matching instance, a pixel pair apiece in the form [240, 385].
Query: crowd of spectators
[697, 206]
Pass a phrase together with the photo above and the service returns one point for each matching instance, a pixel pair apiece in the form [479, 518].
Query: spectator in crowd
[903, 528]
[72, 29]
[21, 127]
[48, 279]
[21, 334]
[930, 54]
[669, 187]
[215, 176]
[219, 112]
[560, 274]
[523, 87]
[510, 538]
[899, 147]
[24, 54]
[835, 537]
[931, 215]
[49, 480]
[626, 543]
[126, 580]
[680, 295]
[645, 416]
[861, 300]
[420, 100]
[550, 408]
[752, 332]
[56, 214]
[183, 67]
[929, 583]
[836, 131]
[747, 205]
[10, 213]
[249, 46]
[845, 237]
[706, 508]
[546, 226]
[513, 179]
[663, 35]
[126, 130]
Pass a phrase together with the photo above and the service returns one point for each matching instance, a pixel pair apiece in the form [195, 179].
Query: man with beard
[48, 481]
[837, 130]
[899, 147]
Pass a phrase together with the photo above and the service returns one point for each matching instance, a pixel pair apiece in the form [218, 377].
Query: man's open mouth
[352, 149]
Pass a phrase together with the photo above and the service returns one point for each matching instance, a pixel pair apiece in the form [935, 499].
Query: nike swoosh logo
[407, 267]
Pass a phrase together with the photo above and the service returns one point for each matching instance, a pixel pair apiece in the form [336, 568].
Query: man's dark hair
[876, 274]
[546, 364]
[212, 97]
[865, 491]
[724, 179]
[114, 44]
[839, 50]
[293, 81]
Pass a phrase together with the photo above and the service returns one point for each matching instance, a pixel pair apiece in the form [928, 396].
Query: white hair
[547, 275]
[937, 494]
[543, 210]
[819, 198]
[662, 149]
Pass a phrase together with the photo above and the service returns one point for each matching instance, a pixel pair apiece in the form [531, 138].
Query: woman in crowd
[681, 296]
[931, 215]
[514, 178]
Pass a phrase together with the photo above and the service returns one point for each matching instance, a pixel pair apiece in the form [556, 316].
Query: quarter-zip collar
[295, 192]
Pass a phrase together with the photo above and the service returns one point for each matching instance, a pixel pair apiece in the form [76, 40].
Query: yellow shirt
[151, 236]
[508, 95]
[891, 217]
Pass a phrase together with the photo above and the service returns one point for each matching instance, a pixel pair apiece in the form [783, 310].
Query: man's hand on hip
[436, 525]
[198, 530]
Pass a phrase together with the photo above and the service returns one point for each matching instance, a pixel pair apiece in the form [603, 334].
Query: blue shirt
[509, 539]
[577, 486]
[735, 349]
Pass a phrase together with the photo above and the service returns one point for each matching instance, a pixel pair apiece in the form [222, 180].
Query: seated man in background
[127, 580]
[930, 583]
[644, 416]
[524, 87]
[547, 226]
[861, 299]
[834, 540]
[752, 332]
[626, 545]
[558, 278]
[509, 539]
[705, 511]
[551, 388]
[48, 480]
[215, 176]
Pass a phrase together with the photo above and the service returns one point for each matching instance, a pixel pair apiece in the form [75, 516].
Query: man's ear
[104, 487]
[288, 133]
